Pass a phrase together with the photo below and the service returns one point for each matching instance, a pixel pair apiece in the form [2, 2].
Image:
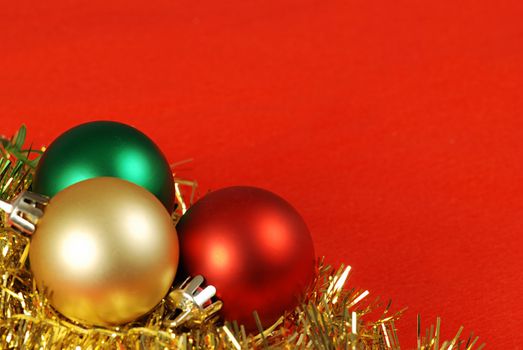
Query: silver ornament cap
[190, 301]
[24, 211]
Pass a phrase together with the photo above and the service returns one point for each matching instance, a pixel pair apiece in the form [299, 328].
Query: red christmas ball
[253, 246]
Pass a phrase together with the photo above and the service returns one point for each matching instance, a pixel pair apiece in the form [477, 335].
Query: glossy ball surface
[104, 148]
[253, 246]
[105, 251]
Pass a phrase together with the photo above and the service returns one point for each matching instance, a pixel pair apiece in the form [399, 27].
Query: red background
[395, 127]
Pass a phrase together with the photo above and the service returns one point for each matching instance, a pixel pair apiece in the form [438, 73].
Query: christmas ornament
[104, 148]
[253, 247]
[105, 251]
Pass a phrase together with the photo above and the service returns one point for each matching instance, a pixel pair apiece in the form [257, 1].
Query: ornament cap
[24, 211]
[190, 300]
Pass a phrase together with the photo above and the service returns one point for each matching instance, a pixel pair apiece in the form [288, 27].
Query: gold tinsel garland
[332, 315]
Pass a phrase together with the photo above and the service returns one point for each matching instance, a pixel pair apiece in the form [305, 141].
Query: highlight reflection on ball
[253, 246]
[105, 252]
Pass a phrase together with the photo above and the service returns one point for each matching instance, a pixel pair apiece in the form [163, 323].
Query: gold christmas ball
[105, 252]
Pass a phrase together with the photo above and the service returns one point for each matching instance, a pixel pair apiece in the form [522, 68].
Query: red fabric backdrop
[395, 127]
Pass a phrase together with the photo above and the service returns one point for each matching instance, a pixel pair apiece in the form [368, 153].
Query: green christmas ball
[104, 148]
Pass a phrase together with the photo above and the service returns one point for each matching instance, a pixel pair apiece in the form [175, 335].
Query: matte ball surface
[104, 148]
[253, 247]
[105, 252]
